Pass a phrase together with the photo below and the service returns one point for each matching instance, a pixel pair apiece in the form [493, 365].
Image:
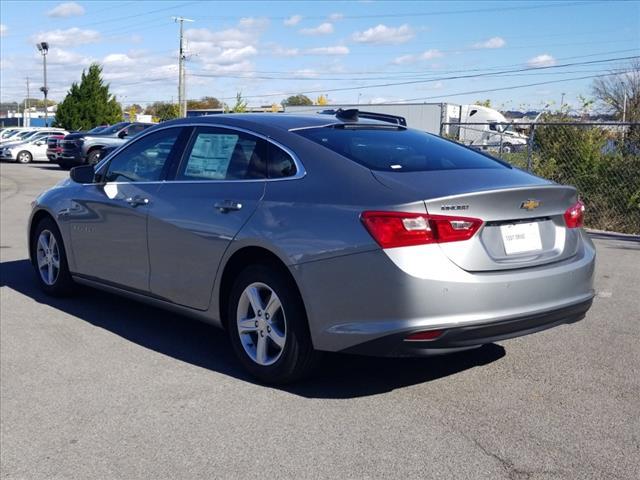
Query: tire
[507, 148]
[288, 325]
[64, 165]
[60, 282]
[94, 156]
[24, 157]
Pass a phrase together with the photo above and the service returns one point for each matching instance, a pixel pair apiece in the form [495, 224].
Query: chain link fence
[602, 160]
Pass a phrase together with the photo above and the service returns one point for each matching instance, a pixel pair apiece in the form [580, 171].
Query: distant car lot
[102, 387]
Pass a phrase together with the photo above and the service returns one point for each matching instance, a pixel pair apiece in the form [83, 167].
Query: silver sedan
[329, 232]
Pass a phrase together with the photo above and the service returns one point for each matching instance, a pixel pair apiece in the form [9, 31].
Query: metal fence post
[530, 146]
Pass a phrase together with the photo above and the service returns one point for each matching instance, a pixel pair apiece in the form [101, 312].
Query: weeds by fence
[602, 160]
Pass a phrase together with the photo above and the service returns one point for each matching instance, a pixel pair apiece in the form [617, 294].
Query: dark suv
[85, 147]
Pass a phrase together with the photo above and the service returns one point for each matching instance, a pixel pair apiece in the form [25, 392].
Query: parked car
[301, 234]
[33, 149]
[53, 147]
[86, 147]
[18, 134]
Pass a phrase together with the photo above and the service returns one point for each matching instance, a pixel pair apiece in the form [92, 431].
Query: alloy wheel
[48, 257]
[261, 324]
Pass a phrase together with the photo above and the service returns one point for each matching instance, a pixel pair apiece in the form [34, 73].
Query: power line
[501, 9]
[457, 77]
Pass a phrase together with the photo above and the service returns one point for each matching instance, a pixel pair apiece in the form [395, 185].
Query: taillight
[399, 229]
[574, 216]
[424, 336]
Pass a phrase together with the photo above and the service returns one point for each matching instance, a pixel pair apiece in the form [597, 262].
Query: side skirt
[147, 299]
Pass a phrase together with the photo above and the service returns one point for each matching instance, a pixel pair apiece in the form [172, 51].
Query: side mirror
[122, 134]
[82, 174]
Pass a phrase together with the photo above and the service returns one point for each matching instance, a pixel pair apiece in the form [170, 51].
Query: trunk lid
[523, 215]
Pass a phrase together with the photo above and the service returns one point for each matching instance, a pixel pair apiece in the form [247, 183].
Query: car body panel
[109, 235]
[188, 236]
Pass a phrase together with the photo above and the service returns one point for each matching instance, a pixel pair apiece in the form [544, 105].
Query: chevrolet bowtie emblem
[530, 204]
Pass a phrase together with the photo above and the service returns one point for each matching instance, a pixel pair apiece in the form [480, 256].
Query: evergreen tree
[88, 104]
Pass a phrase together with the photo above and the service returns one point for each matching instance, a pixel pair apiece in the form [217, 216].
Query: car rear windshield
[398, 150]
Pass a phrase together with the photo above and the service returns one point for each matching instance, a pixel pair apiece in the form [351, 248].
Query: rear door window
[221, 154]
[398, 150]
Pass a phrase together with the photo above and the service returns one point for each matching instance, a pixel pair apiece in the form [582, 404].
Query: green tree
[204, 103]
[297, 100]
[167, 111]
[483, 103]
[241, 104]
[88, 104]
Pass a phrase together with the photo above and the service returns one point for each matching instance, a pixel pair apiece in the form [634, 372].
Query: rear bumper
[368, 298]
[461, 338]
[71, 158]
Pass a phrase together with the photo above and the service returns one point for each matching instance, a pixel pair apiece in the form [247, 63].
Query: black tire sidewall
[93, 157]
[295, 360]
[64, 283]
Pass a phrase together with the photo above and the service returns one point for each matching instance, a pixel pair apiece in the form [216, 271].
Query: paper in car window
[210, 156]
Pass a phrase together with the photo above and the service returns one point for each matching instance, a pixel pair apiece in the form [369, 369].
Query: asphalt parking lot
[101, 387]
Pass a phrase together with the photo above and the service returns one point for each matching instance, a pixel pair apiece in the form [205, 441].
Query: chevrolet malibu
[327, 232]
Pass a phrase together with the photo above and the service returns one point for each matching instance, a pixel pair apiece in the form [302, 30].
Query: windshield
[25, 135]
[114, 128]
[398, 150]
[97, 129]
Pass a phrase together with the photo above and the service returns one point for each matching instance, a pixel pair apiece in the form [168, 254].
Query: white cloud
[322, 29]
[292, 21]
[383, 34]
[67, 38]
[493, 42]
[253, 22]
[307, 73]
[543, 60]
[67, 9]
[118, 59]
[426, 55]
[281, 51]
[3, 29]
[58, 56]
[335, 50]
[334, 17]
[230, 38]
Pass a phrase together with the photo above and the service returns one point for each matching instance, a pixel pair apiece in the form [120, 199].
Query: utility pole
[182, 100]
[26, 122]
[561, 101]
[624, 108]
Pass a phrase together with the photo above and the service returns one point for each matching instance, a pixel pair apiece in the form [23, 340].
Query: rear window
[398, 150]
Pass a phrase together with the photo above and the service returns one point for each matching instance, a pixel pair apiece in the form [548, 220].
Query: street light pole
[43, 48]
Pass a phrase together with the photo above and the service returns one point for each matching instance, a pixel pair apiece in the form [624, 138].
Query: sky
[351, 52]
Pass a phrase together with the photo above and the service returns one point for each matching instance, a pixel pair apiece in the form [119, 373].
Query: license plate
[521, 238]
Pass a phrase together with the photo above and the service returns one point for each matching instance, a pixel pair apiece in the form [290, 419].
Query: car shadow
[339, 376]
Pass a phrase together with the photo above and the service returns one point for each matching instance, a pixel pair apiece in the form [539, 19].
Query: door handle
[137, 201]
[227, 205]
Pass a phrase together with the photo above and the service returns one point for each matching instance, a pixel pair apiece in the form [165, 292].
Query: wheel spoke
[42, 242]
[247, 325]
[52, 244]
[277, 338]
[50, 274]
[42, 261]
[273, 305]
[56, 262]
[254, 297]
[261, 350]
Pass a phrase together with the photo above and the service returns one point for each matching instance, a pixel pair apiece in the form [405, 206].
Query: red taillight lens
[574, 216]
[424, 336]
[399, 229]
